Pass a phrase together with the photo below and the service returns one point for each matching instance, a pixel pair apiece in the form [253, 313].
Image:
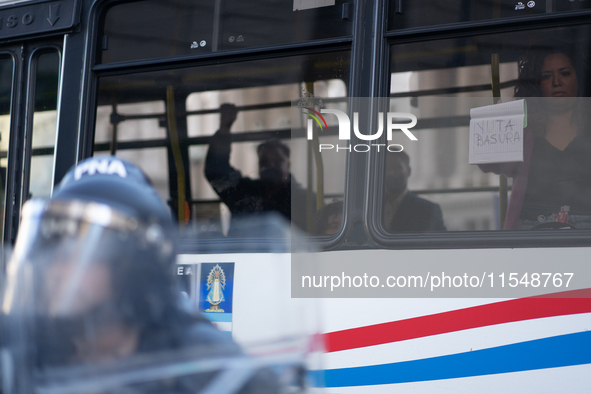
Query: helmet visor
[62, 298]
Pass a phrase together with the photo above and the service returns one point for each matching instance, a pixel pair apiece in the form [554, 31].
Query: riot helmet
[91, 271]
[91, 302]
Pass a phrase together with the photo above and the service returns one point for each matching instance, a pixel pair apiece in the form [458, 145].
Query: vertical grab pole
[314, 145]
[114, 130]
[310, 213]
[176, 153]
[496, 92]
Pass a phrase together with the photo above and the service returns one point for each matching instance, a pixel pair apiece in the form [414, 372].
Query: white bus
[146, 81]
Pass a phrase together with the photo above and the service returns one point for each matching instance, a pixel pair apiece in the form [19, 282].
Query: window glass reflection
[225, 137]
[549, 68]
[164, 28]
[405, 14]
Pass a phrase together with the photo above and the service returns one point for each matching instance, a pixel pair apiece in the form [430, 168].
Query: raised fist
[228, 114]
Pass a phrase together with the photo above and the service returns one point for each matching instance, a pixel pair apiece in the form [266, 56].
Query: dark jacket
[246, 196]
[416, 214]
[192, 339]
[180, 353]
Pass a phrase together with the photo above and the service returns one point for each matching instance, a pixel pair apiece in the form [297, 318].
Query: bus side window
[213, 138]
[440, 88]
[417, 13]
[162, 28]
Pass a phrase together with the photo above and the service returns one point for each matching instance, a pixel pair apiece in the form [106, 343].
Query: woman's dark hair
[530, 67]
[530, 77]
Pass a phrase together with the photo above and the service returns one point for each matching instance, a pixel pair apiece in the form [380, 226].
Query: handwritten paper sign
[496, 132]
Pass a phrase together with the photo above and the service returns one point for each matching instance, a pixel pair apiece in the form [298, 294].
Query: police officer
[91, 302]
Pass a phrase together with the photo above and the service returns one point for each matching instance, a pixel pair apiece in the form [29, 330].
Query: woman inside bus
[552, 186]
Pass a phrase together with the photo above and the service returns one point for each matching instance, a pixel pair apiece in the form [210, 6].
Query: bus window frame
[9, 187]
[115, 71]
[370, 50]
[97, 18]
[479, 27]
[93, 71]
[464, 239]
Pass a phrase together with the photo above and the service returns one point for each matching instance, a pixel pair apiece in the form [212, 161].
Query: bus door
[32, 42]
[28, 113]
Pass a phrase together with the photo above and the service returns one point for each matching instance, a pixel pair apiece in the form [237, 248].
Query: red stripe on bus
[558, 304]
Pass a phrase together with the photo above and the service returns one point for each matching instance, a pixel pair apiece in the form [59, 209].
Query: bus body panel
[508, 348]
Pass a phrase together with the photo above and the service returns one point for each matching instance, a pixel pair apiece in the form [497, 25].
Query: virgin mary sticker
[216, 284]
[216, 288]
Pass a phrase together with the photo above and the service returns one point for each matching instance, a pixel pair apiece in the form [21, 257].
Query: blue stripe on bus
[218, 317]
[559, 351]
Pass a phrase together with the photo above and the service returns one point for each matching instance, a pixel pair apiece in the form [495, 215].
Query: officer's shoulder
[200, 332]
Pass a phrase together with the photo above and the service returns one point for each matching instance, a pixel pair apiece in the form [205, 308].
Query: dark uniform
[92, 303]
